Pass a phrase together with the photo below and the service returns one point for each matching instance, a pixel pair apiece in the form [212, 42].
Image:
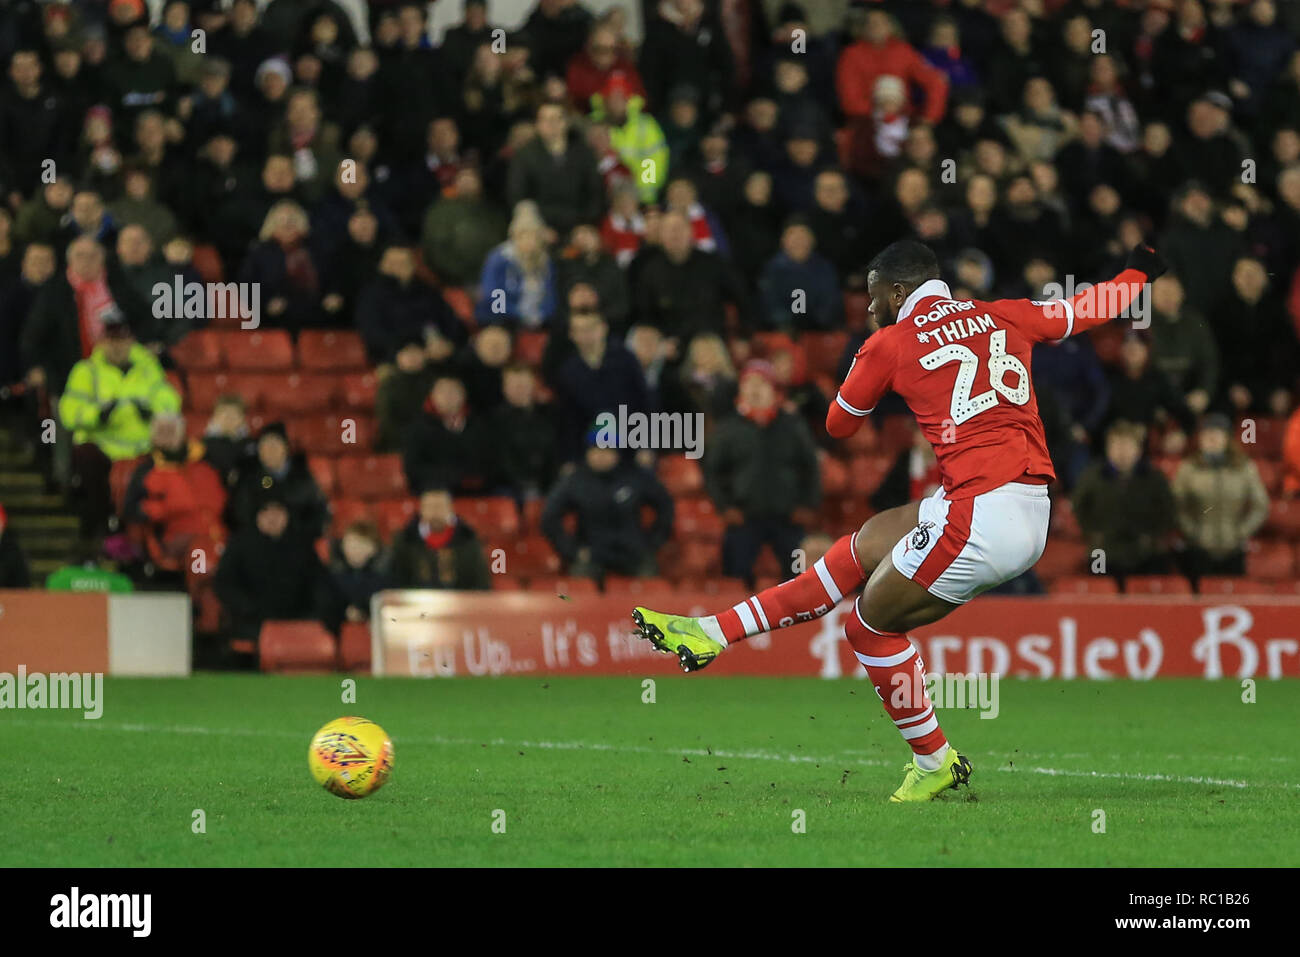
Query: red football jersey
[963, 367]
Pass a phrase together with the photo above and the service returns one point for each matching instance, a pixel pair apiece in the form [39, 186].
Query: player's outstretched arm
[1108, 300]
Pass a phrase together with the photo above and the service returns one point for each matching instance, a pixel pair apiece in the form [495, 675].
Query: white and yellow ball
[351, 757]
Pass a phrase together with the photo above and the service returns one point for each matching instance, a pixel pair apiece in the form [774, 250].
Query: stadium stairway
[41, 520]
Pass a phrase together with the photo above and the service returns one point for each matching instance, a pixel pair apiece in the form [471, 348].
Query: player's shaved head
[898, 269]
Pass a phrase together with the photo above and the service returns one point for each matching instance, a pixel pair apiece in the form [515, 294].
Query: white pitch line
[752, 755]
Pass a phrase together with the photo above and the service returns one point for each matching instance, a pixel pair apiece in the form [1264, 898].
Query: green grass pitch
[712, 773]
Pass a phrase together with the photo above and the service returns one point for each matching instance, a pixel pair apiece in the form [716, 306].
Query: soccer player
[963, 369]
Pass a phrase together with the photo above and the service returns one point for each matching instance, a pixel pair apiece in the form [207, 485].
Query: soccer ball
[350, 757]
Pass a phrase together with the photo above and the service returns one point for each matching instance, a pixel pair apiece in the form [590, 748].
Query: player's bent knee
[878, 534]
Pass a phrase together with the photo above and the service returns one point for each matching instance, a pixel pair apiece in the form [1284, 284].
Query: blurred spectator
[706, 381]
[755, 224]
[799, 287]
[601, 376]
[396, 307]
[607, 495]
[138, 206]
[557, 170]
[1220, 502]
[681, 290]
[402, 390]
[313, 142]
[1071, 370]
[17, 294]
[634, 134]
[479, 367]
[1125, 507]
[70, 311]
[1183, 347]
[1291, 455]
[14, 572]
[836, 222]
[107, 405]
[585, 260]
[879, 51]
[1200, 249]
[448, 444]
[276, 468]
[913, 476]
[686, 44]
[525, 449]
[460, 230]
[358, 568]
[175, 497]
[285, 270]
[226, 438]
[518, 284]
[1139, 392]
[269, 570]
[1257, 347]
[762, 475]
[590, 70]
[624, 226]
[438, 550]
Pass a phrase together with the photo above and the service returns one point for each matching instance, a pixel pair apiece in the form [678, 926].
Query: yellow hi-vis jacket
[96, 381]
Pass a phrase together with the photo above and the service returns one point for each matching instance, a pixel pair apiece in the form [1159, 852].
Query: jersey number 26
[964, 405]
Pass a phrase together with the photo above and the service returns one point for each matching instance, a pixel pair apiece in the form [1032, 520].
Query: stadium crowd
[467, 250]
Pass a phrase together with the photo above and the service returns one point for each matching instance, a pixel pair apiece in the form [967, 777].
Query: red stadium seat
[1273, 561]
[200, 351]
[1268, 433]
[372, 477]
[1290, 586]
[1284, 518]
[1157, 585]
[1064, 524]
[823, 350]
[332, 434]
[296, 646]
[357, 391]
[331, 351]
[682, 477]
[206, 387]
[207, 263]
[258, 351]
[530, 347]
[531, 556]
[494, 518]
[1084, 585]
[531, 518]
[1231, 585]
[866, 472]
[856, 316]
[769, 564]
[297, 393]
[1062, 558]
[322, 470]
[697, 560]
[393, 515]
[345, 511]
[835, 476]
[1270, 473]
[354, 646]
[697, 520]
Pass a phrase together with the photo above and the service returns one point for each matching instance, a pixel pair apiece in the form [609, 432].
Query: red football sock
[808, 595]
[895, 668]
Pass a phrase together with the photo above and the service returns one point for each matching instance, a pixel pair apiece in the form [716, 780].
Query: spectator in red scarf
[448, 445]
[67, 316]
[438, 550]
[624, 227]
[762, 473]
[283, 266]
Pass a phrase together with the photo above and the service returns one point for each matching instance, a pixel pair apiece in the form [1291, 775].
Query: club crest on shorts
[921, 535]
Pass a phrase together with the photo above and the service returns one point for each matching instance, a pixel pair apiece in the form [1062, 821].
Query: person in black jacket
[600, 377]
[557, 170]
[448, 444]
[395, 307]
[358, 568]
[438, 550]
[524, 436]
[276, 468]
[269, 571]
[762, 473]
[13, 563]
[607, 496]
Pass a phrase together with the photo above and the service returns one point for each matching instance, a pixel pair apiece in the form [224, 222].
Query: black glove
[1146, 260]
[106, 410]
[146, 413]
